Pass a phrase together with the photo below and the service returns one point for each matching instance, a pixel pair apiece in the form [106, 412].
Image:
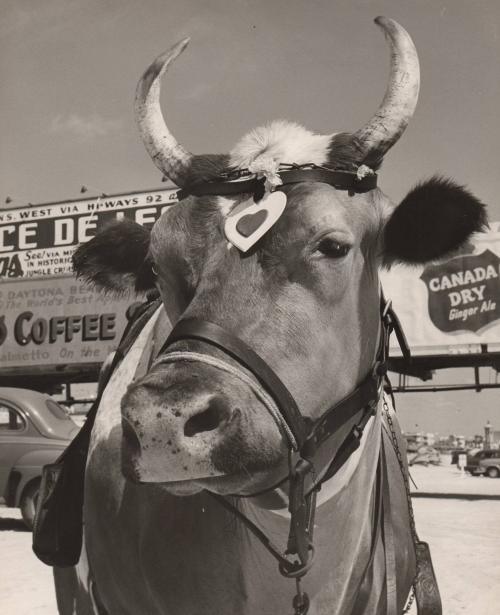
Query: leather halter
[304, 436]
[308, 435]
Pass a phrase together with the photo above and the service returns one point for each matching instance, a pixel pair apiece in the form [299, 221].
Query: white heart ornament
[249, 221]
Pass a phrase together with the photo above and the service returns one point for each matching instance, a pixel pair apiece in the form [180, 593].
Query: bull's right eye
[154, 271]
[332, 248]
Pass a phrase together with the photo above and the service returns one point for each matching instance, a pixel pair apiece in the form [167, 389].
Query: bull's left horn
[400, 100]
[167, 154]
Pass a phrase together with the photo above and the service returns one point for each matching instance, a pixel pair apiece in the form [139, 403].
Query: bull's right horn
[392, 117]
[167, 154]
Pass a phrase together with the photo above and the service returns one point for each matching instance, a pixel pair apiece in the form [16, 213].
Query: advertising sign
[47, 317]
[38, 241]
[451, 306]
[57, 321]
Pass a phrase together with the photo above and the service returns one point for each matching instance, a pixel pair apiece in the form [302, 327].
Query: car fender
[491, 464]
[29, 467]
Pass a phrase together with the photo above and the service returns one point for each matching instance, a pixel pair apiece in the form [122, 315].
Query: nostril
[130, 439]
[213, 417]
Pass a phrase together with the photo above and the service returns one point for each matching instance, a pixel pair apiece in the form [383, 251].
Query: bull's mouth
[236, 484]
[233, 466]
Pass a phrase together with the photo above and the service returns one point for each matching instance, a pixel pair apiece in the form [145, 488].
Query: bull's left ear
[436, 218]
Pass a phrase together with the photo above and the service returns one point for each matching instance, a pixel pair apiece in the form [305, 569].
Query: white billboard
[38, 241]
[452, 307]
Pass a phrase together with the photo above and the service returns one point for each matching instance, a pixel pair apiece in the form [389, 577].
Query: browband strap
[341, 180]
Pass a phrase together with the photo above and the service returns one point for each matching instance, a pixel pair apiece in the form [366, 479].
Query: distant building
[487, 435]
[416, 439]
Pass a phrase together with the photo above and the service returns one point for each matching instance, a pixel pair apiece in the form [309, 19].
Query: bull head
[305, 297]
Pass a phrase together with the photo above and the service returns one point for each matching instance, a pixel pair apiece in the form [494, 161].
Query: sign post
[462, 462]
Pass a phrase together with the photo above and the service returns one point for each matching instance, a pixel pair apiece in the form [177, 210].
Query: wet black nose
[215, 415]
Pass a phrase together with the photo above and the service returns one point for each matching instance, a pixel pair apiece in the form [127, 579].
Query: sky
[69, 68]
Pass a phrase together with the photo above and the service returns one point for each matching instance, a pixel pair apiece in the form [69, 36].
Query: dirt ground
[463, 535]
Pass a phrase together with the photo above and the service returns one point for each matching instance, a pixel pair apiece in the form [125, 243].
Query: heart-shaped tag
[249, 221]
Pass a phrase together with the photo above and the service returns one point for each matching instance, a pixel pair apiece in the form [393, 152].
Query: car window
[10, 420]
[58, 411]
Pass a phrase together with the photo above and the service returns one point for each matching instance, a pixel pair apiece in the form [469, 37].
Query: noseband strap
[202, 330]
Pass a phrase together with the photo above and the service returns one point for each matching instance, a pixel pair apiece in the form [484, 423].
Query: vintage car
[484, 462]
[34, 430]
[425, 455]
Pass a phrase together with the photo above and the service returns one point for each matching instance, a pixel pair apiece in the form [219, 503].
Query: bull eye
[154, 271]
[333, 248]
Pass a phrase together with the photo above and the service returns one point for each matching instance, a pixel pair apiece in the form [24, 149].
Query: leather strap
[341, 180]
[346, 449]
[363, 396]
[226, 503]
[222, 188]
[389, 540]
[205, 331]
[365, 585]
[81, 441]
[426, 587]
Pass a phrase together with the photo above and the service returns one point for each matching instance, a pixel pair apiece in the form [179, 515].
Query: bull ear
[116, 259]
[435, 219]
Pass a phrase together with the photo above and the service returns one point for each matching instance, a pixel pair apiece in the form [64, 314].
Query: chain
[301, 601]
[406, 483]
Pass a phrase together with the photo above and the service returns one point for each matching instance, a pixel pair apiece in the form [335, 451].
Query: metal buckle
[295, 569]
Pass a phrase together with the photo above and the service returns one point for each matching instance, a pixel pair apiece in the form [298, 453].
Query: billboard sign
[451, 306]
[464, 292]
[47, 317]
[38, 241]
[52, 322]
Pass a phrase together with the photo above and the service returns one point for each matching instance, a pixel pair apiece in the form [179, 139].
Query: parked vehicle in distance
[34, 430]
[484, 462]
[425, 455]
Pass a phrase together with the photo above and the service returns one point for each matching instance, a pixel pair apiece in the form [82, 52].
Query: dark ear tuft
[116, 259]
[436, 218]
[206, 167]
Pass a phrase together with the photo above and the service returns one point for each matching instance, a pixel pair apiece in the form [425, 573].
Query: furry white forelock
[283, 141]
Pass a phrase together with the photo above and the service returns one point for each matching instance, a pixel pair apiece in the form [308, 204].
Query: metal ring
[298, 570]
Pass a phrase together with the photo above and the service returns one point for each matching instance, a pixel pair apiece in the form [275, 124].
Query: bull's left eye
[332, 248]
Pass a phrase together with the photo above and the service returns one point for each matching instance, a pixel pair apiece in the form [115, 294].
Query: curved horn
[400, 100]
[167, 154]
